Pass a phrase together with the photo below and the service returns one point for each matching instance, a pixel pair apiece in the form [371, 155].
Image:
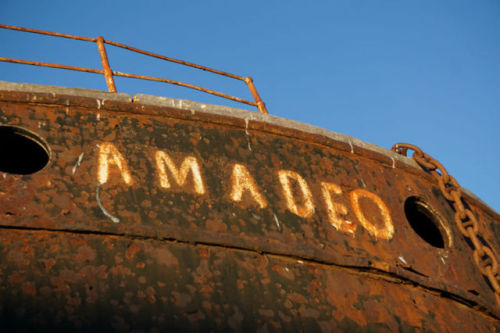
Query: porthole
[21, 151]
[425, 222]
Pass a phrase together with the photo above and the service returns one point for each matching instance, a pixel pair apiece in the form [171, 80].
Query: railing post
[108, 73]
[260, 104]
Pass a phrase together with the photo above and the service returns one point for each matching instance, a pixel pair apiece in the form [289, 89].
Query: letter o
[384, 232]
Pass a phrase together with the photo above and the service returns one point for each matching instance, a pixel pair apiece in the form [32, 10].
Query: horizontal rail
[187, 85]
[177, 61]
[48, 33]
[129, 75]
[108, 72]
[47, 64]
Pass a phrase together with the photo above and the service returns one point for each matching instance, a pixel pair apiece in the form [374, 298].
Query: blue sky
[424, 72]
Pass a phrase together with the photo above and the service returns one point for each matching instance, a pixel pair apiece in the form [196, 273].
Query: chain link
[466, 221]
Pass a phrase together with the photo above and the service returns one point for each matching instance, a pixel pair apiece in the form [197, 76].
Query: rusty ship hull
[153, 214]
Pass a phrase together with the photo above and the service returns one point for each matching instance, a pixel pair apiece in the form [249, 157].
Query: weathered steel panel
[95, 283]
[192, 219]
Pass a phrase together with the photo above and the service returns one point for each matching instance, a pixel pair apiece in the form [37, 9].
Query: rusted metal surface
[48, 33]
[155, 217]
[108, 73]
[51, 65]
[115, 283]
[187, 85]
[485, 259]
[255, 94]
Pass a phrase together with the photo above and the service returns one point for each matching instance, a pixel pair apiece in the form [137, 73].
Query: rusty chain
[483, 255]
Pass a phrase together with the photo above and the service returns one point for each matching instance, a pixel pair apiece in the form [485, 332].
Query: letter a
[242, 181]
[109, 155]
[163, 161]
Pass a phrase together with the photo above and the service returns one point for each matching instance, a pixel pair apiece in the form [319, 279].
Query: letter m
[164, 162]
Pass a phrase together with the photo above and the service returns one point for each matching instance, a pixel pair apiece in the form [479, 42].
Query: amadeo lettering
[243, 181]
[109, 155]
[306, 207]
[336, 210]
[295, 190]
[180, 175]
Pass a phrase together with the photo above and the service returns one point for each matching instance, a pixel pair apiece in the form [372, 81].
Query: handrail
[109, 73]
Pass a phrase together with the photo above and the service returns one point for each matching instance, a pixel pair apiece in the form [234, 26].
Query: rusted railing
[109, 73]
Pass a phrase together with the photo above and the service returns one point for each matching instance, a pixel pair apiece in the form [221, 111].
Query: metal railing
[109, 73]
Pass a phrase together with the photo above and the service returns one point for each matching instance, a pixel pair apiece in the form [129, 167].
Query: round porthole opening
[424, 221]
[21, 151]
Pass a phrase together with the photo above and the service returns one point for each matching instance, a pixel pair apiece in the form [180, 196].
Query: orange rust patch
[28, 288]
[215, 226]
[132, 249]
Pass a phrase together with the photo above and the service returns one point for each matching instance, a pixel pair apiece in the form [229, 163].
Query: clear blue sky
[424, 72]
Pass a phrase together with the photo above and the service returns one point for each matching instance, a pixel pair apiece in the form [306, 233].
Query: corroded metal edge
[248, 118]
[274, 120]
[40, 88]
[204, 108]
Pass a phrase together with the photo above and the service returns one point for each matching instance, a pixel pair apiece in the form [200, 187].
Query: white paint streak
[277, 222]
[393, 162]
[246, 126]
[248, 134]
[98, 104]
[402, 260]
[77, 163]
[352, 147]
[114, 219]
